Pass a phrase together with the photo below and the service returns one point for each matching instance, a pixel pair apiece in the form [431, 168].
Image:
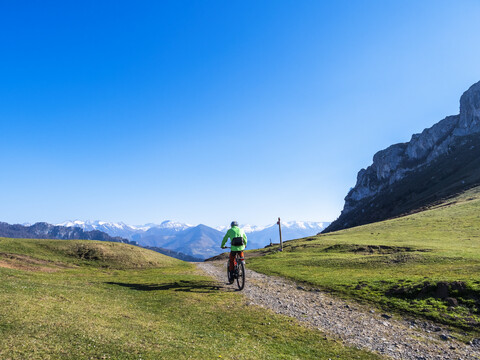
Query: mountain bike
[238, 272]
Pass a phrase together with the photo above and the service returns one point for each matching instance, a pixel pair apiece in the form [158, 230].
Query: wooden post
[280, 231]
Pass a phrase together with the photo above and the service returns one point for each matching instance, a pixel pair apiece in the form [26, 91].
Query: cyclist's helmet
[234, 223]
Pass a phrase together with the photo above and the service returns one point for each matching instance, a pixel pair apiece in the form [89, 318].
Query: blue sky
[208, 111]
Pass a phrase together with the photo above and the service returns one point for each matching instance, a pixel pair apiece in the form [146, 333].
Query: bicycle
[238, 272]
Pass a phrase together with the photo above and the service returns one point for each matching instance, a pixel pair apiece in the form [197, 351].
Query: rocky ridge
[396, 171]
[42, 230]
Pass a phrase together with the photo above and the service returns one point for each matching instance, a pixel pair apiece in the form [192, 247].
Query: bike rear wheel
[241, 275]
[230, 276]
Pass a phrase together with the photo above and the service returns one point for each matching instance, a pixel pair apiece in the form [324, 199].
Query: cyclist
[238, 241]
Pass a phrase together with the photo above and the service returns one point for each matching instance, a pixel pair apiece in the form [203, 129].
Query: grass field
[91, 300]
[426, 264]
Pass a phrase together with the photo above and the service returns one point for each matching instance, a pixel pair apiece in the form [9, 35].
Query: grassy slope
[441, 244]
[91, 300]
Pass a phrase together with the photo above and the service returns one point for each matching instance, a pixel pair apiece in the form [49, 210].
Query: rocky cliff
[439, 162]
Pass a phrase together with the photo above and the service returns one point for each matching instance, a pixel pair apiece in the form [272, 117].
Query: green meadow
[64, 299]
[93, 300]
[426, 264]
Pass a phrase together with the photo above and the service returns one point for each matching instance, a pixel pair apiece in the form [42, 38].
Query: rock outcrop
[434, 164]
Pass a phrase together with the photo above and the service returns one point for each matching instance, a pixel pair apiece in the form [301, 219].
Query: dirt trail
[354, 324]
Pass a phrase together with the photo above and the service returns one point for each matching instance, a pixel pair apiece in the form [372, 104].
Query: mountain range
[43, 230]
[438, 163]
[199, 241]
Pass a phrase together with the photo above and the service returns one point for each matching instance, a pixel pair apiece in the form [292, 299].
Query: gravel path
[354, 324]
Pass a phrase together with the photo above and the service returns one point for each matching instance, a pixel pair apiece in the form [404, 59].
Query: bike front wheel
[241, 275]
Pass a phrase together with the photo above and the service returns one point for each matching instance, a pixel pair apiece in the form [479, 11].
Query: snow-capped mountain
[97, 225]
[173, 225]
[122, 229]
[246, 227]
[114, 229]
[300, 225]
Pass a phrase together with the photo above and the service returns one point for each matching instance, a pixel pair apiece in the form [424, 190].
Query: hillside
[68, 299]
[60, 254]
[425, 264]
[436, 164]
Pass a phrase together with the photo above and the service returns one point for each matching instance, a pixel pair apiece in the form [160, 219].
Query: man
[238, 241]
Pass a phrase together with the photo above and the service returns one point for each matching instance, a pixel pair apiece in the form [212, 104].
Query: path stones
[355, 324]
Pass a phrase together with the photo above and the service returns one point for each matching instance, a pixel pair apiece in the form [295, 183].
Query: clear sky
[208, 111]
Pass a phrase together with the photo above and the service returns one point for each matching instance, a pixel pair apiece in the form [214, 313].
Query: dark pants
[232, 261]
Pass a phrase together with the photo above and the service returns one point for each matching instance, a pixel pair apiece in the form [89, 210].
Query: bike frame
[238, 267]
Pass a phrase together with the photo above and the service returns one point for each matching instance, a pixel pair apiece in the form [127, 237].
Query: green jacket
[234, 232]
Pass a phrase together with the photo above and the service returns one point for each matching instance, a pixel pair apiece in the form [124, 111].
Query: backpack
[237, 241]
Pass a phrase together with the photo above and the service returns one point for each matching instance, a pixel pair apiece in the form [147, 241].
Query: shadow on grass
[186, 286]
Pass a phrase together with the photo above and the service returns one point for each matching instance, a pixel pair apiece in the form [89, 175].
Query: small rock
[444, 337]
[451, 301]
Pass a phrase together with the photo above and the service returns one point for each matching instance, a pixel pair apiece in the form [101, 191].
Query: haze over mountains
[199, 241]
[440, 162]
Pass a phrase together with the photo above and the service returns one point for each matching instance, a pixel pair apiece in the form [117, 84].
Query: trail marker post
[280, 231]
